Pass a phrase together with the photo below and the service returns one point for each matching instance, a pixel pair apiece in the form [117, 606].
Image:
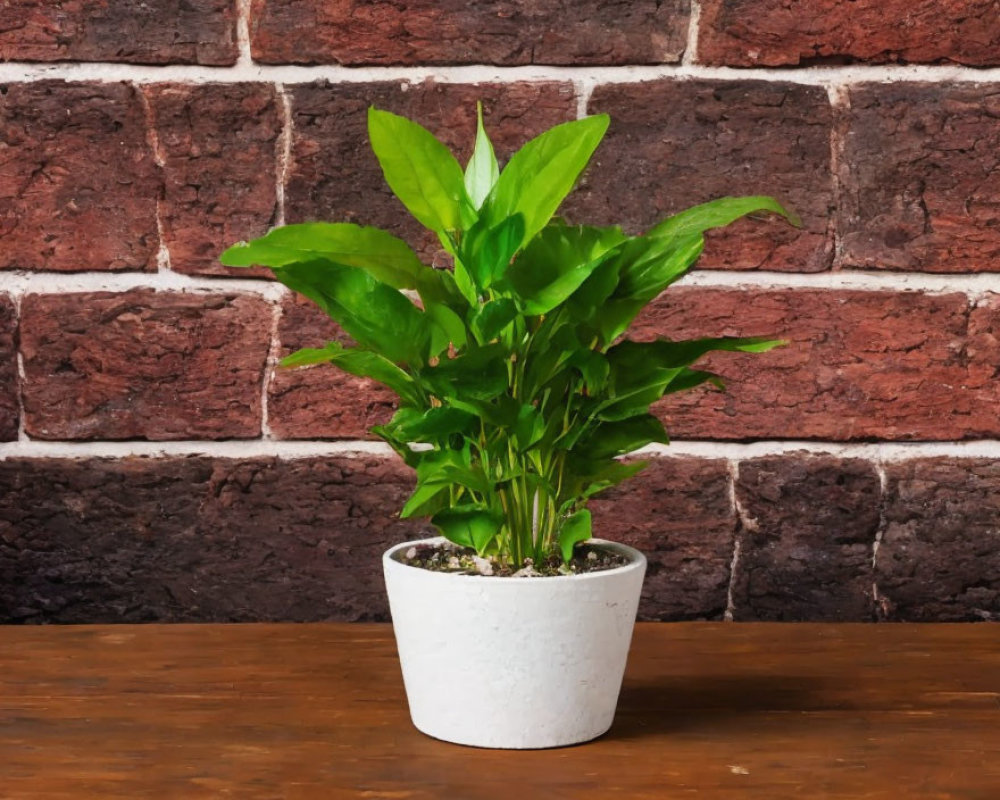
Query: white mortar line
[691, 51]
[584, 89]
[248, 448]
[273, 353]
[14, 71]
[733, 470]
[283, 149]
[18, 283]
[978, 285]
[153, 139]
[243, 34]
[879, 452]
[732, 452]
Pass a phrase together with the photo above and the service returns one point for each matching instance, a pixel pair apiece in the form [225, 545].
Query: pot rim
[636, 561]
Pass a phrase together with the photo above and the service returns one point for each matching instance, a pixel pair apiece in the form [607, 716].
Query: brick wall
[156, 466]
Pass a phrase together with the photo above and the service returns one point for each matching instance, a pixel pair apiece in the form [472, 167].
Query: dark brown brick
[674, 144]
[861, 365]
[514, 32]
[679, 512]
[143, 365]
[9, 407]
[217, 143]
[78, 190]
[334, 175]
[920, 175]
[939, 557]
[806, 547]
[197, 539]
[320, 402]
[160, 32]
[772, 33]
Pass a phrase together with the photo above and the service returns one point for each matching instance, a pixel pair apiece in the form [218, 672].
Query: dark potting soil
[448, 557]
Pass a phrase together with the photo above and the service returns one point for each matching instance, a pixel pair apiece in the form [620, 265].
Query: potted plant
[517, 397]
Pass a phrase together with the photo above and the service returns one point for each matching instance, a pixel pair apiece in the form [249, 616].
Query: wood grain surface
[318, 710]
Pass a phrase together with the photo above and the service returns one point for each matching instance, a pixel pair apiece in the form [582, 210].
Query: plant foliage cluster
[517, 391]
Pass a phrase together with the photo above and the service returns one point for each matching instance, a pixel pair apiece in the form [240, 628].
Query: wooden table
[303, 711]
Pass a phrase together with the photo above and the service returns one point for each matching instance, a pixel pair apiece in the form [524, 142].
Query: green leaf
[593, 367]
[493, 317]
[557, 261]
[358, 362]
[377, 317]
[448, 328]
[717, 214]
[529, 427]
[469, 525]
[540, 175]
[482, 171]
[489, 251]
[628, 357]
[611, 439]
[479, 374]
[574, 530]
[420, 170]
[431, 425]
[386, 258]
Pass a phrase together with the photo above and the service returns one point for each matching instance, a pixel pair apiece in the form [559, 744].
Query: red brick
[772, 33]
[143, 365]
[217, 143]
[861, 365]
[198, 539]
[361, 32]
[674, 144]
[78, 190]
[939, 557]
[679, 512]
[920, 177]
[320, 402]
[9, 407]
[161, 32]
[334, 175]
[806, 545]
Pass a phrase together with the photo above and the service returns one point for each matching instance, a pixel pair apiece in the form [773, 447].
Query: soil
[448, 557]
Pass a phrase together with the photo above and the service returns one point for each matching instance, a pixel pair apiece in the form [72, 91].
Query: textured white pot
[513, 662]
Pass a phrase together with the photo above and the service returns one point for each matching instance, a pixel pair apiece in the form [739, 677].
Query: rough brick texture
[920, 172]
[217, 144]
[78, 184]
[939, 558]
[194, 539]
[806, 544]
[673, 144]
[9, 409]
[749, 33]
[361, 32]
[680, 514]
[160, 32]
[143, 365]
[335, 176]
[860, 365]
[320, 402]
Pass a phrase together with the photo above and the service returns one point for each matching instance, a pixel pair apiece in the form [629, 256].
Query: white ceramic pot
[513, 662]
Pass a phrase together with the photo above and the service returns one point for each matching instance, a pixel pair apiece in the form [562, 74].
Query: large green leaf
[611, 439]
[574, 530]
[358, 362]
[717, 214]
[557, 261]
[469, 525]
[432, 424]
[387, 258]
[420, 170]
[488, 251]
[479, 374]
[542, 173]
[377, 317]
[488, 320]
[482, 171]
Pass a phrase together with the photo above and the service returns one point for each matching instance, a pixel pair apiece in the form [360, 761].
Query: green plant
[517, 393]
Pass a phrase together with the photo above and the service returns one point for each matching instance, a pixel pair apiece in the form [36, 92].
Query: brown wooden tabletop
[290, 711]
